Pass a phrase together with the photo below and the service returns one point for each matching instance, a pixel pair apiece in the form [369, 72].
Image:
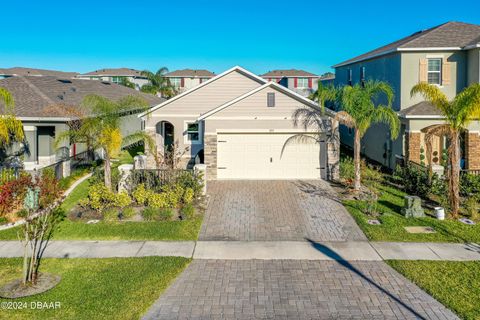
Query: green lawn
[113, 288]
[152, 230]
[80, 192]
[454, 284]
[393, 223]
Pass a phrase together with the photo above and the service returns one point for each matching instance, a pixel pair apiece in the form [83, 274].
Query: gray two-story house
[299, 81]
[447, 56]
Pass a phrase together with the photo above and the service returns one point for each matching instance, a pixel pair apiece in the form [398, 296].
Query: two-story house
[186, 79]
[299, 81]
[116, 76]
[447, 56]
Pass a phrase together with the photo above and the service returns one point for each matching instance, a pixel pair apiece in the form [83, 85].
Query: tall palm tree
[359, 110]
[102, 128]
[458, 113]
[159, 84]
[11, 129]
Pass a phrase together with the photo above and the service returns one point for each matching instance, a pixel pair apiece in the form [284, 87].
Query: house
[241, 127]
[299, 81]
[116, 76]
[327, 79]
[186, 79]
[21, 71]
[39, 104]
[447, 56]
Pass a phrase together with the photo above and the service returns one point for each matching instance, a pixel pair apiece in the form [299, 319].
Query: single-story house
[241, 126]
[40, 105]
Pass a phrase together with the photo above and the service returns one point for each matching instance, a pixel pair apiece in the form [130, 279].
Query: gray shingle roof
[423, 108]
[21, 71]
[190, 73]
[447, 35]
[35, 96]
[288, 73]
[117, 72]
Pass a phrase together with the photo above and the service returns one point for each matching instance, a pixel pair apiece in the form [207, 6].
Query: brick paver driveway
[294, 289]
[276, 210]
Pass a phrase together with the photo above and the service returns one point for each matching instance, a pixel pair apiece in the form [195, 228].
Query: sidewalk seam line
[138, 251]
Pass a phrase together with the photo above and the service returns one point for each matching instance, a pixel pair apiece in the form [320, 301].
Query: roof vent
[60, 96]
[271, 99]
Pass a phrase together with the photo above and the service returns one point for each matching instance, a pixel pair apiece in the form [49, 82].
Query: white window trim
[185, 133]
[439, 72]
[300, 86]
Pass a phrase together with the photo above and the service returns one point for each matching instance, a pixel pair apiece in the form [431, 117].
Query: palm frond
[432, 94]
[375, 89]
[301, 138]
[148, 88]
[7, 98]
[467, 104]
[309, 118]
[386, 115]
[346, 119]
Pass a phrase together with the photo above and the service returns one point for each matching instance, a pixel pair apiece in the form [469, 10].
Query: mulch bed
[16, 289]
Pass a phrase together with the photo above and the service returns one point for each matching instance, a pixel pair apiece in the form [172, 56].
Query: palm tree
[102, 128]
[458, 113]
[11, 129]
[126, 83]
[159, 84]
[359, 110]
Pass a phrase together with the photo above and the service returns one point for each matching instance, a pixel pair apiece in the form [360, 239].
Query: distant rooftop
[450, 35]
[116, 72]
[288, 73]
[21, 71]
[200, 73]
[38, 96]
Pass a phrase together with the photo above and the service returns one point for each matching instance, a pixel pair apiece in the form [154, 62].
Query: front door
[168, 136]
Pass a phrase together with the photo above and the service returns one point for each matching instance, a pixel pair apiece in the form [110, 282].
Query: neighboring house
[116, 76]
[327, 79]
[20, 71]
[186, 79]
[38, 104]
[238, 124]
[447, 56]
[299, 81]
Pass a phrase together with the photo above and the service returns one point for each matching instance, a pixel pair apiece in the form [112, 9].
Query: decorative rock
[374, 222]
[413, 207]
[467, 221]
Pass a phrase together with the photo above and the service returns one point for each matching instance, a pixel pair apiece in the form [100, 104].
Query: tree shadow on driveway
[340, 260]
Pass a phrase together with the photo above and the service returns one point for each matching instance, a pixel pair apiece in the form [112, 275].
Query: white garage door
[259, 156]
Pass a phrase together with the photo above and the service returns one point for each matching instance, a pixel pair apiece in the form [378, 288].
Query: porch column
[413, 146]
[472, 150]
[31, 138]
[150, 163]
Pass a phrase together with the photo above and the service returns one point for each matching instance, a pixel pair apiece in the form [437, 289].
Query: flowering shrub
[12, 194]
[122, 200]
[157, 201]
[100, 197]
[188, 195]
[140, 194]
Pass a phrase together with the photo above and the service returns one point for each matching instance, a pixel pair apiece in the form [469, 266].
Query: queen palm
[158, 83]
[102, 128]
[11, 129]
[359, 110]
[458, 113]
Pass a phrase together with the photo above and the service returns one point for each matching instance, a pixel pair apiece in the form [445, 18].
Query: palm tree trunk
[356, 160]
[108, 172]
[454, 177]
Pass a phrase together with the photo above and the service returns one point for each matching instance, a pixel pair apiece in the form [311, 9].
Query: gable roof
[191, 73]
[422, 109]
[206, 83]
[288, 73]
[21, 71]
[116, 72]
[447, 36]
[272, 85]
[36, 97]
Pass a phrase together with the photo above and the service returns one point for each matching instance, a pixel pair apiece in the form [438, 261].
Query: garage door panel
[259, 156]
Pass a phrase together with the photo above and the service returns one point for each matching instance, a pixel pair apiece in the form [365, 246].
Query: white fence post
[125, 172]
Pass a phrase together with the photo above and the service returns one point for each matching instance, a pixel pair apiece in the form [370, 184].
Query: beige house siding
[473, 73]
[410, 68]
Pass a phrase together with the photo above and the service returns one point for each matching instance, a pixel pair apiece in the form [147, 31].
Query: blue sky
[258, 35]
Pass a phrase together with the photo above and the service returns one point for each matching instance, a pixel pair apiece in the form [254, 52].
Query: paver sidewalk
[261, 250]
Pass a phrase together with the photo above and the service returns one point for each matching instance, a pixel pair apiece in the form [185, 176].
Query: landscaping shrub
[471, 207]
[414, 179]
[110, 214]
[188, 195]
[122, 200]
[469, 184]
[173, 194]
[165, 214]
[149, 214]
[140, 194]
[3, 220]
[100, 197]
[128, 213]
[187, 212]
[347, 169]
[193, 181]
[157, 201]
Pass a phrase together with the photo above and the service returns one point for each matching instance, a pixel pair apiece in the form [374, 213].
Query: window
[435, 71]
[175, 82]
[349, 77]
[271, 99]
[302, 83]
[362, 75]
[117, 79]
[202, 80]
[193, 132]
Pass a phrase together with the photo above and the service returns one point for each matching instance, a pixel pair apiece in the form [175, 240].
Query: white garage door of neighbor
[259, 156]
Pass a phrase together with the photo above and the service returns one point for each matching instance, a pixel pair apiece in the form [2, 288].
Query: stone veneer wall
[472, 150]
[413, 146]
[210, 155]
